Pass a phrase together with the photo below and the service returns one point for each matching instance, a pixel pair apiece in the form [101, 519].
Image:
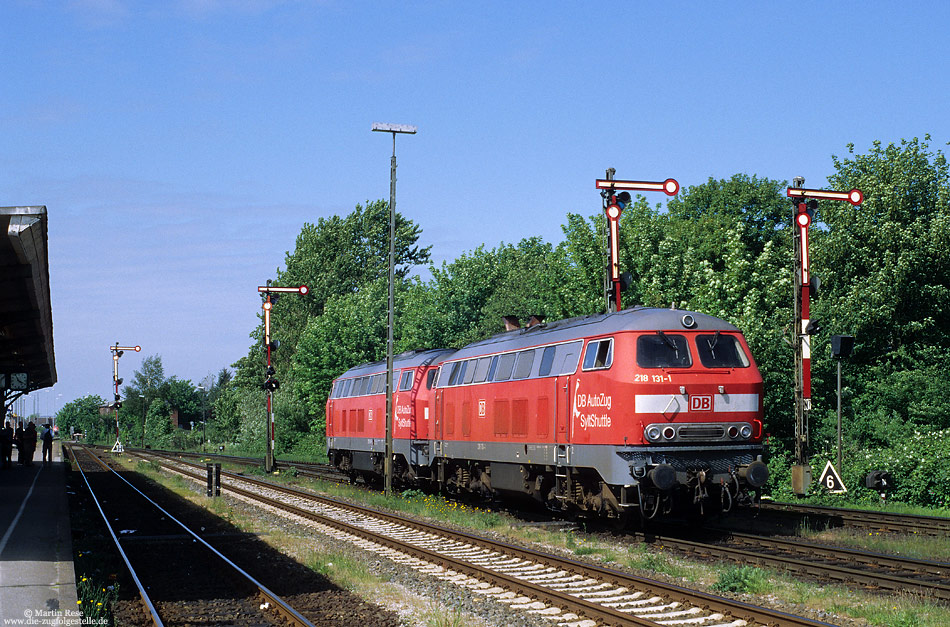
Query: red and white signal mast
[805, 202]
[614, 204]
[271, 294]
[118, 351]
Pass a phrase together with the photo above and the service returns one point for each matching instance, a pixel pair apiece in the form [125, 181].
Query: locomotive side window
[469, 371]
[379, 384]
[406, 382]
[346, 390]
[663, 350]
[505, 363]
[547, 361]
[481, 369]
[599, 354]
[492, 368]
[457, 369]
[721, 351]
[525, 361]
[430, 378]
[566, 359]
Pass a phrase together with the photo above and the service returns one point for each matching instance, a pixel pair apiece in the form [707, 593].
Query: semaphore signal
[614, 204]
[805, 202]
[270, 294]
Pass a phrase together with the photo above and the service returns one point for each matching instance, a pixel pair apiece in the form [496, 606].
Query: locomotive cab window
[430, 378]
[599, 354]
[721, 351]
[406, 382]
[663, 350]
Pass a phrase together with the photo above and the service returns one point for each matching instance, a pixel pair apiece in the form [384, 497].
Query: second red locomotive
[642, 410]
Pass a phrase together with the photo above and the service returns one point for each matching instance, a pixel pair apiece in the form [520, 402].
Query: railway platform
[37, 577]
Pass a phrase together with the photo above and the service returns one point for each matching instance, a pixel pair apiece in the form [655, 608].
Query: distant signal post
[804, 204]
[118, 351]
[270, 294]
[614, 204]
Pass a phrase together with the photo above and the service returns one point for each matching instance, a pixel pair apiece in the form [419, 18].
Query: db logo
[701, 402]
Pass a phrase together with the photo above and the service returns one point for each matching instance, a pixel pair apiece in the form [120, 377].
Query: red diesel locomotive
[642, 410]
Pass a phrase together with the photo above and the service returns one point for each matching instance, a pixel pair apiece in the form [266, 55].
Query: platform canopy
[26, 316]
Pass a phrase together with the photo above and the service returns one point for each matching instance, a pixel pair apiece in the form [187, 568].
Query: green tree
[82, 416]
[338, 258]
[145, 386]
[182, 395]
[158, 425]
[351, 330]
[886, 280]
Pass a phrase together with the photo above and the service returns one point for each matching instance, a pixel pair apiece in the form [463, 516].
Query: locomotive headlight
[653, 433]
[745, 431]
[733, 432]
[669, 433]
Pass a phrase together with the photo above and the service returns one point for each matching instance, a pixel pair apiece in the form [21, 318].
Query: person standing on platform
[47, 438]
[6, 444]
[18, 440]
[29, 442]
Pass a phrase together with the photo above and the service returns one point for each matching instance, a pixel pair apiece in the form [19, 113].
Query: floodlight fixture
[383, 127]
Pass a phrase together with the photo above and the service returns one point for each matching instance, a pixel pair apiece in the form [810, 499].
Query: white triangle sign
[831, 480]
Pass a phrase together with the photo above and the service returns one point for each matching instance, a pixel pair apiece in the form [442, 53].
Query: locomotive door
[562, 409]
[438, 414]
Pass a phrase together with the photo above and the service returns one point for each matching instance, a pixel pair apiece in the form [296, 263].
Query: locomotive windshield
[663, 351]
[721, 351]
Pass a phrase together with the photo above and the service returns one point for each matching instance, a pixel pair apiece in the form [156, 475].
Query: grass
[641, 557]
[747, 579]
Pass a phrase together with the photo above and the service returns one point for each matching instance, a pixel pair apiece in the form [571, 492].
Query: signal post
[118, 351]
[614, 204]
[805, 202]
[271, 294]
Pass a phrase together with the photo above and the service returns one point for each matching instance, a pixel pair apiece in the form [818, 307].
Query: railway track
[857, 569]
[181, 578]
[568, 590]
[880, 521]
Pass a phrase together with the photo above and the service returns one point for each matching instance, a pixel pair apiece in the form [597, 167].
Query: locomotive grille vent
[717, 463]
[701, 432]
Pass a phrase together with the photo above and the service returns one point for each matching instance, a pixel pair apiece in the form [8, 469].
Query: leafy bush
[919, 465]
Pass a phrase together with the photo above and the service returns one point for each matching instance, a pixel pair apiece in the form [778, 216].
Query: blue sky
[180, 145]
